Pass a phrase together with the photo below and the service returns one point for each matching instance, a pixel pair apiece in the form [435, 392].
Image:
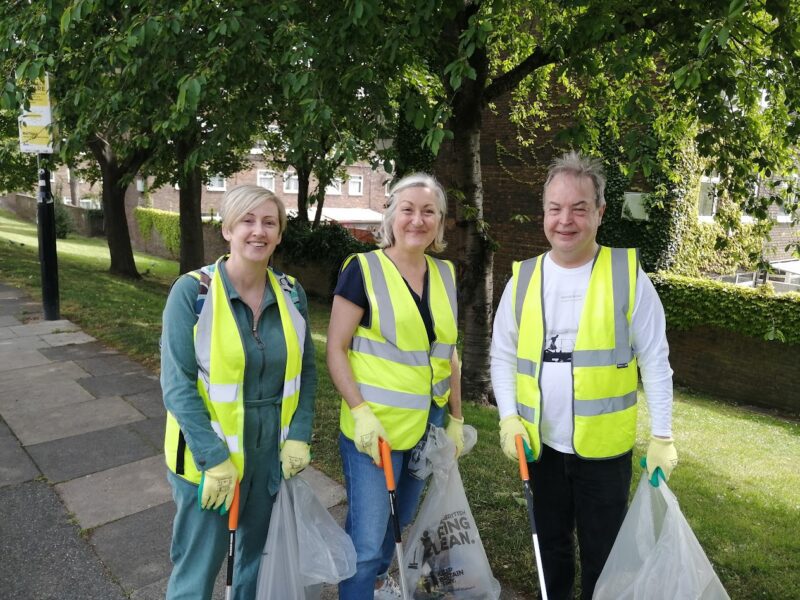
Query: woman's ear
[226, 233]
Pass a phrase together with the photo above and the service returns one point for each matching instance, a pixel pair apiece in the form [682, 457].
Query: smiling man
[571, 329]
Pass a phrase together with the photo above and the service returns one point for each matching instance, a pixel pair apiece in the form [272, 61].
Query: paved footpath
[85, 508]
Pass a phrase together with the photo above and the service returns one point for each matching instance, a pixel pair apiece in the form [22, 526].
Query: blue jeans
[200, 537]
[572, 493]
[368, 515]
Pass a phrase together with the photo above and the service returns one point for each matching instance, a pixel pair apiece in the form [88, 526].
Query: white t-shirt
[563, 295]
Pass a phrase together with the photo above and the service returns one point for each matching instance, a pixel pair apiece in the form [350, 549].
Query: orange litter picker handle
[386, 463]
[233, 512]
[523, 463]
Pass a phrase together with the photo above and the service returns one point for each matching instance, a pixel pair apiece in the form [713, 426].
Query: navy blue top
[351, 287]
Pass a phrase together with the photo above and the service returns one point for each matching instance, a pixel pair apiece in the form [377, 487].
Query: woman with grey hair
[392, 356]
[239, 381]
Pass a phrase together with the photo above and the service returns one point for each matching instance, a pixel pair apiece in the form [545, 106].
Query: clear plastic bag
[444, 556]
[656, 555]
[305, 547]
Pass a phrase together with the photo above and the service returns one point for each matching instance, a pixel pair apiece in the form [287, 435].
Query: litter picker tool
[526, 483]
[233, 524]
[388, 471]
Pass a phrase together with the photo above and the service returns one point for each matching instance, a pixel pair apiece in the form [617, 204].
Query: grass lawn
[737, 481]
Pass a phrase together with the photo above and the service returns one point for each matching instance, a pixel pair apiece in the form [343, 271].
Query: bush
[757, 313]
[64, 224]
[330, 243]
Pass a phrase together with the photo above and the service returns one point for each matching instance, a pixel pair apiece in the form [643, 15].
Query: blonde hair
[578, 165]
[243, 199]
[386, 236]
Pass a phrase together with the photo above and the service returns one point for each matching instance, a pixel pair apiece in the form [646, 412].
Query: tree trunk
[116, 221]
[192, 255]
[303, 176]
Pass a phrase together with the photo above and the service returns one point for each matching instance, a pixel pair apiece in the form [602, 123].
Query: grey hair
[243, 199]
[386, 236]
[578, 165]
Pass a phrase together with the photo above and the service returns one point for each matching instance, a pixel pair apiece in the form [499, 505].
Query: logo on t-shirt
[559, 348]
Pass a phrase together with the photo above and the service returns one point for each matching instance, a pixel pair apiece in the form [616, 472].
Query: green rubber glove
[455, 431]
[510, 428]
[661, 459]
[295, 457]
[368, 431]
[217, 485]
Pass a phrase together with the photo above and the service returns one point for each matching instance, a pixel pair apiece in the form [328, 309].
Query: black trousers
[569, 494]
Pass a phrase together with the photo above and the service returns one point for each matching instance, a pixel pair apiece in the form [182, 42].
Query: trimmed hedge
[758, 313]
[166, 223]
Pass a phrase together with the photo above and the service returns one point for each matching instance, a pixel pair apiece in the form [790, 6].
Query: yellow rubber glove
[661, 454]
[217, 485]
[295, 457]
[367, 431]
[455, 431]
[510, 428]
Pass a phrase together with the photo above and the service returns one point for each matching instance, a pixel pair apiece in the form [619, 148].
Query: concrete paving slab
[104, 497]
[106, 365]
[42, 396]
[44, 556]
[11, 293]
[151, 430]
[79, 455]
[79, 351]
[74, 419]
[45, 327]
[148, 403]
[23, 358]
[158, 590]
[329, 492]
[27, 343]
[50, 372]
[120, 546]
[6, 333]
[68, 338]
[119, 384]
[15, 465]
[9, 321]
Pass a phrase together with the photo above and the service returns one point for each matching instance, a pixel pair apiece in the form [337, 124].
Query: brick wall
[740, 368]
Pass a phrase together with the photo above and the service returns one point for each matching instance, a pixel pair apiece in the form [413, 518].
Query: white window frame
[291, 183]
[703, 217]
[357, 182]
[334, 188]
[265, 174]
[213, 183]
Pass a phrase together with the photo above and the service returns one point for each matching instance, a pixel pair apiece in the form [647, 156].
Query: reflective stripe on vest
[397, 370]
[603, 365]
[221, 365]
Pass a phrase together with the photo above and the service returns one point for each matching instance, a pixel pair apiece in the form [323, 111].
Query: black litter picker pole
[48, 259]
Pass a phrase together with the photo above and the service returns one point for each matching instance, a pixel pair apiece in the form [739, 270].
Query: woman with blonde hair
[238, 378]
[392, 356]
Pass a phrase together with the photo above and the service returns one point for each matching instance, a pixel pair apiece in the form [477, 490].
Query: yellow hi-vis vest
[220, 369]
[395, 367]
[604, 375]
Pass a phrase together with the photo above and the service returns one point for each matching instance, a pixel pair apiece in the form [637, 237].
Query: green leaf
[736, 8]
[722, 36]
[705, 38]
[66, 16]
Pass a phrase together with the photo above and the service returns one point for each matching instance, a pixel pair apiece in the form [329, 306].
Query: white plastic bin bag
[656, 556]
[305, 547]
[444, 556]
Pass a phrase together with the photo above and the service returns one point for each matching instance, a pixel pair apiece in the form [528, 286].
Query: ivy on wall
[759, 313]
[166, 223]
[673, 238]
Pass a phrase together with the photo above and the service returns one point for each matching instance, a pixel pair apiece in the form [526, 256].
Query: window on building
[355, 186]
[291, 184]
[266, 179]
[216, 183]
[633, 207]
[334, 188]
[707, 200]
